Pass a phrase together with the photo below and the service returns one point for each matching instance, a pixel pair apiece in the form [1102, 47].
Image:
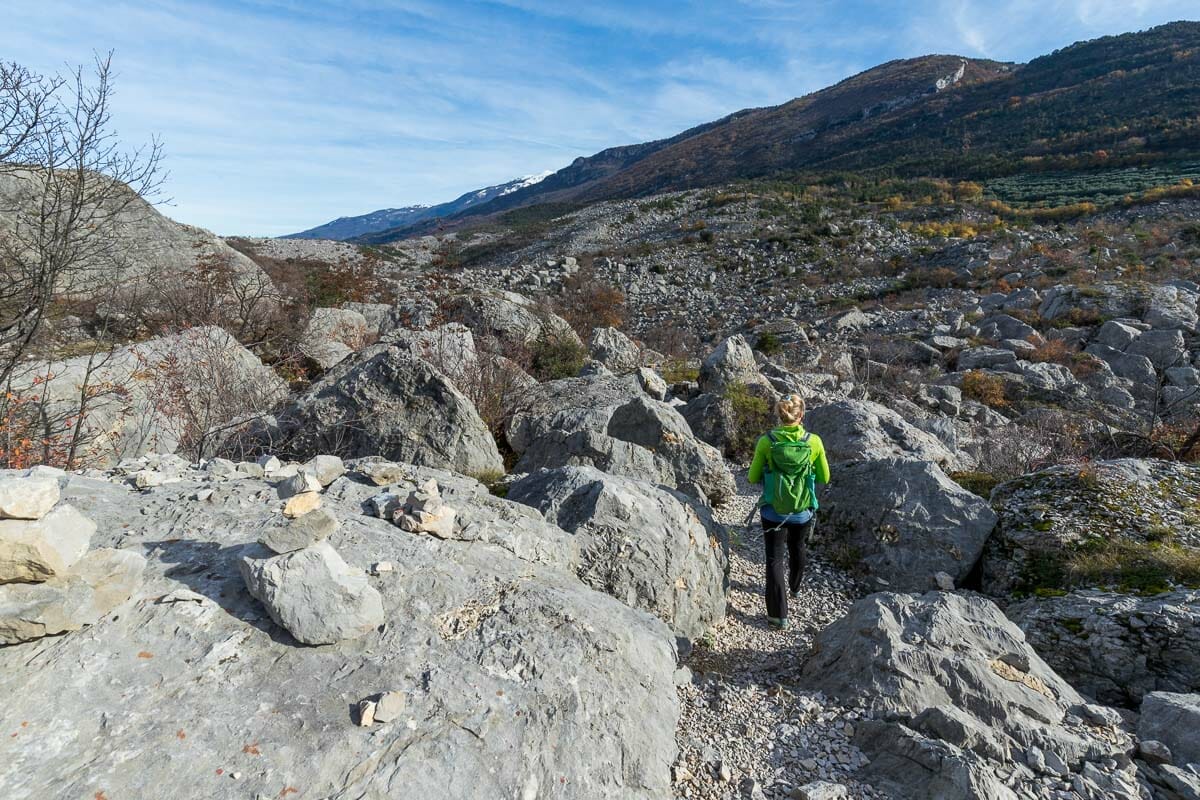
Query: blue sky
[278, 115]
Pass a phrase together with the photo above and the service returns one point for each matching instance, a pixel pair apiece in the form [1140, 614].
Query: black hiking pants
[786, 554]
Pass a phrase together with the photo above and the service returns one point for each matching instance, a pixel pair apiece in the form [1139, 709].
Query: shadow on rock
[211, 570]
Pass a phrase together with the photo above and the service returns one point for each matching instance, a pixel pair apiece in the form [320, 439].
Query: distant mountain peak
[345, 228]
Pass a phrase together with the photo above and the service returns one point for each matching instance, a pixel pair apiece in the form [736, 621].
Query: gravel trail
[747, 730]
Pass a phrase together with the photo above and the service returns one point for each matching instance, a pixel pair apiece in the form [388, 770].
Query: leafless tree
[68, 183]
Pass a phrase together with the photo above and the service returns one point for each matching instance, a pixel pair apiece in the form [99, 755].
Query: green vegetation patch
[1124, 565]
[556, 357]
[1092, 186]
[980, 483]
[752, 415]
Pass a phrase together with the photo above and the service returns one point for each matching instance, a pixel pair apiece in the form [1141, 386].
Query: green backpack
[790, 485]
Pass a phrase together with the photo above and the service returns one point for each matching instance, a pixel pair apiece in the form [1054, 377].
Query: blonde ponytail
[791, 409]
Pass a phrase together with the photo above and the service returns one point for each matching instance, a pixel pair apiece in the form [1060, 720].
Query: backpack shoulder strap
[807, 435]
[771, 436]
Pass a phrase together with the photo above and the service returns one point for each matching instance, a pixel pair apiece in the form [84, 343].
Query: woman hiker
[789, 462]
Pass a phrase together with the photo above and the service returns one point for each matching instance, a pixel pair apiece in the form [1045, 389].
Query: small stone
[326, 469]
[301, 532]
[381, 567]
[366, 713]
[250, 469]
[381, 473]
[269, 463]
[821, 790]
[1154, 752]
[390, 705]
[221, 468]
[149, 478]
[203, 495]
[384, 504]
[301, 504]
[27, 498]
[725, 773]
[300, 483]
[943, 581]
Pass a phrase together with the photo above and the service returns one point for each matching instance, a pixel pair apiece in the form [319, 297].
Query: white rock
[36, 550]
[27, 498]
[326, 469]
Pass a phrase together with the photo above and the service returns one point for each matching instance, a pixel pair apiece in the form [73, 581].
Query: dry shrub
[589, 302]
[1053, 351]
[984, 388]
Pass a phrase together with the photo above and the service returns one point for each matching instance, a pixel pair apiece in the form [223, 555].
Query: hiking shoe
[777, 623]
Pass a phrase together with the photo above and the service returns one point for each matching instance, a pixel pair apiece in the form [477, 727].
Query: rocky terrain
[466, 515]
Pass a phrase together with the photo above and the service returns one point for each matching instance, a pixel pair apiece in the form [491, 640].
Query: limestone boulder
[506, 322]
[301, 532]
[98, 583]
[332, 334]
[855, 430]
[731, 363]
[650, 547]
[1173, 719]
[1047, 518]
[615, 350]
[37, 550]
[474, 630]
[187, 392]
[315, 595]
[611, 423]
[904, 521]
[1117, 648]
[1173, 307]
[951, 678]
[27, 498]
[388, 403]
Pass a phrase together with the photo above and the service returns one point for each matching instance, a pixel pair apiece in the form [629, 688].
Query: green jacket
[789, 433]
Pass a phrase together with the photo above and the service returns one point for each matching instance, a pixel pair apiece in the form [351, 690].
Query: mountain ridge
[349, 227]
[1125, 99]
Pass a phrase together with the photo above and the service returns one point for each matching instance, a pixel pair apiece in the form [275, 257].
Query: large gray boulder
[1001, 327]
[855, 430]
[960, 692]
[904, 521]
[615, 350]
[611, 423]
[508, 323]
[100, 582]
[163, 395]
[387, 402]
[1173, 719]
[1048, 518]
[156, 254]
[519, 680]
[332, 334]
[1173, 307]
[1132, 367]
[731, 363]
[986, 358]
[1117, 648]
[448, 348]
[648, 546]
[314, 594]
[1165, 349]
